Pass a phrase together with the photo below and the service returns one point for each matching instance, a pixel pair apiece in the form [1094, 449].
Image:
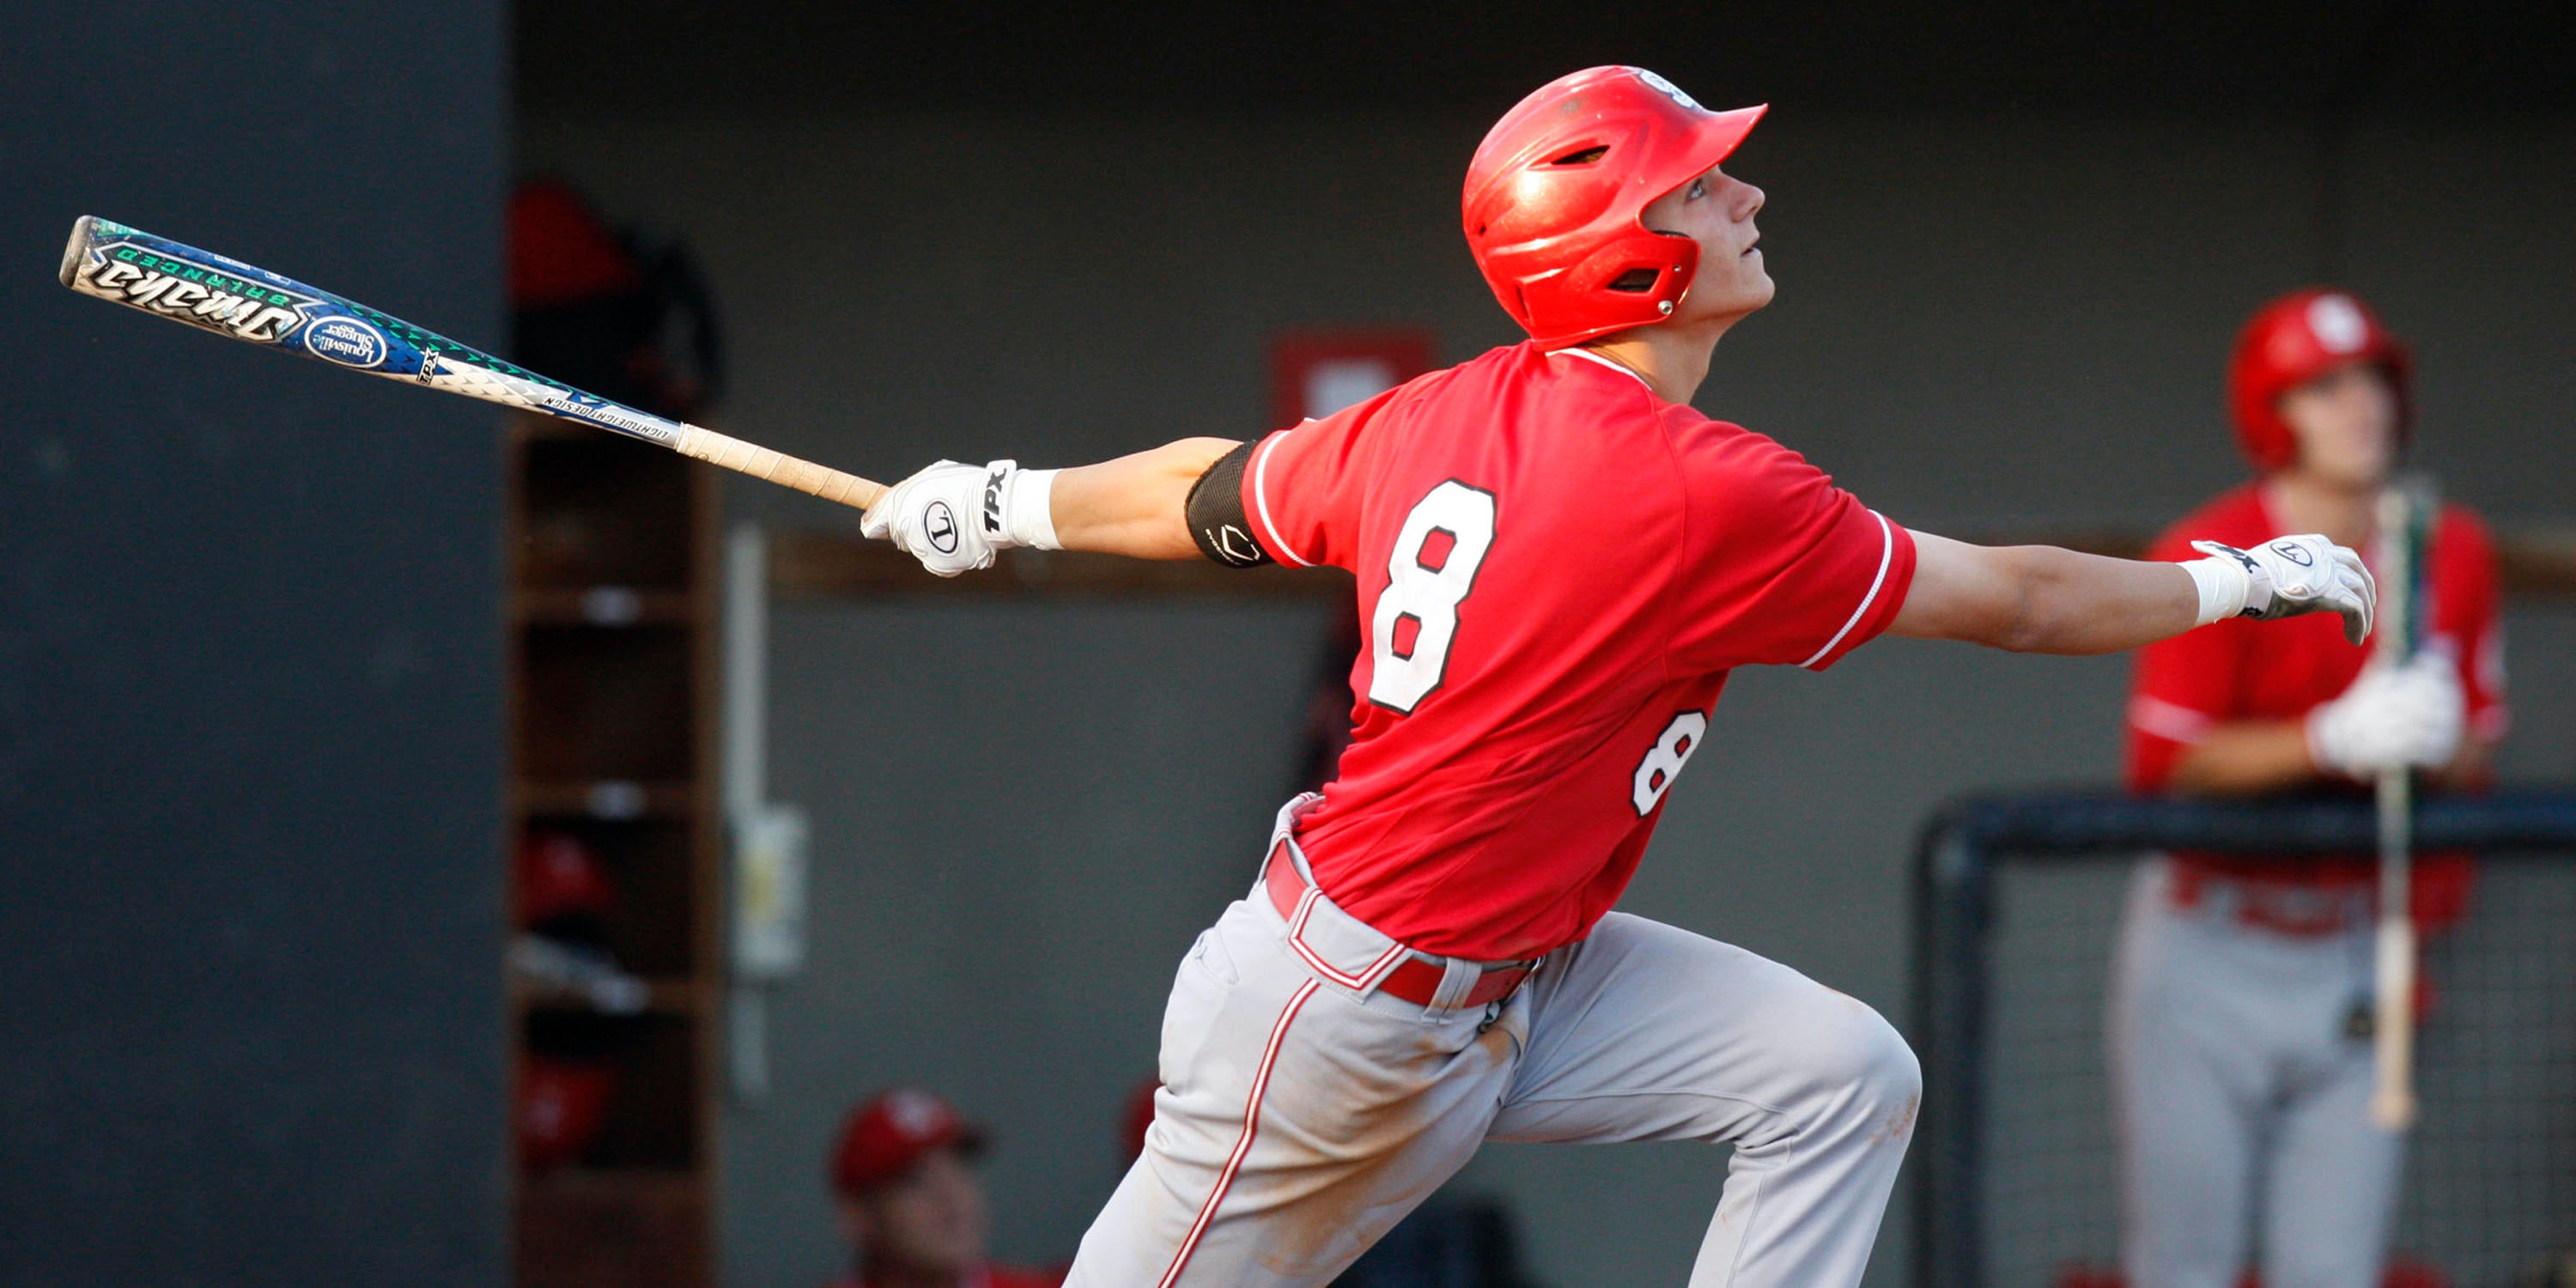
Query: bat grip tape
[778, 467]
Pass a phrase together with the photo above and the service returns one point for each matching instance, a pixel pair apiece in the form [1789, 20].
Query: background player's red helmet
[2293, 340]
[1555, 190]
[887, 1134]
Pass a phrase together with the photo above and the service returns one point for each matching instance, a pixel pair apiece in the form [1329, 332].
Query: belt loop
[1458, 977]
[1283, 830]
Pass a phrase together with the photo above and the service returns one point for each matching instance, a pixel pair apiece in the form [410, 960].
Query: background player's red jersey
[2247, 670]
[1556, 571]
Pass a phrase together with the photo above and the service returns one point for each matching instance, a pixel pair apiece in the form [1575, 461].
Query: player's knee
[1860, 1052]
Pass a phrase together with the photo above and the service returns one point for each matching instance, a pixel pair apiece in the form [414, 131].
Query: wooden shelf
[621, 1228]
[684, 998]
[613, 1182]
[611, 800]
[613, 563]
[603, 606]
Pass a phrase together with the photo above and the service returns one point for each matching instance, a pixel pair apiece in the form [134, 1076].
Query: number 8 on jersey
[1430, 572]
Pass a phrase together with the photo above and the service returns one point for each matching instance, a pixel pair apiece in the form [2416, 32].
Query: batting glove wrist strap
[2223, 583]
[1018, 507]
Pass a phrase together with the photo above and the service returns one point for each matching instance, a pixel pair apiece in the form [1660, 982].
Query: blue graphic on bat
[246, 302]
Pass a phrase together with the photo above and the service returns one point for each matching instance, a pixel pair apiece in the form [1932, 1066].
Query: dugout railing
[2016, 899]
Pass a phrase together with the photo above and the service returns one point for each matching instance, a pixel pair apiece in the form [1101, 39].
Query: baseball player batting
[1558, 564]
[2242, 1014]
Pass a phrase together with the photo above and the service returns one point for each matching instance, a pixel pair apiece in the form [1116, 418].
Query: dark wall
[250, 999]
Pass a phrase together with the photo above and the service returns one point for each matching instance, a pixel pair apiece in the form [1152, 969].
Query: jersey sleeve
[1778, 566]
[1303, 486]
[2467, 567]
[2183, 686]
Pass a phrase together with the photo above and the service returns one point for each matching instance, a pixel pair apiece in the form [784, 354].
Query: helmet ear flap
[1641, 278]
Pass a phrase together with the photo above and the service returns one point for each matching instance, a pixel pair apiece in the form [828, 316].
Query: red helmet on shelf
[1555, 192]
[560, 875]
[2293, 340]
[563, 1104]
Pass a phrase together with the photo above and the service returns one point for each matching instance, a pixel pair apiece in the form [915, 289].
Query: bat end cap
[84, 235]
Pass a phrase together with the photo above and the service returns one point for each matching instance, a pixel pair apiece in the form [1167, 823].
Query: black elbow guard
[1215, 513]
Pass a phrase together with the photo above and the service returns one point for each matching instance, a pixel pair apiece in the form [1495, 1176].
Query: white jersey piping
[1886, 556]
[1261, 497]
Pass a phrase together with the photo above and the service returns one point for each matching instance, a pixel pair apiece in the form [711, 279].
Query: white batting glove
[953, 517]
[2285, 577]
[2408, 716]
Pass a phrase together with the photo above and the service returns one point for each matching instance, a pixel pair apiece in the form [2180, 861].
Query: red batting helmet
[1555, 190]
[2293, 340]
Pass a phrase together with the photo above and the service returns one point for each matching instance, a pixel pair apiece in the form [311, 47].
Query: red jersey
[2248, 670]
[1557, 570]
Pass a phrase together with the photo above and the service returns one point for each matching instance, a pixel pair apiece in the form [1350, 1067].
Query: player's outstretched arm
[1135, 505]
[2041, 599]
[953, 517]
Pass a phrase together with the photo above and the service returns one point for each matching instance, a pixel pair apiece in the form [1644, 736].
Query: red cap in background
[885, 1136]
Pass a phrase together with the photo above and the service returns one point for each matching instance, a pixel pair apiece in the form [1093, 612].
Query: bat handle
[2392, 1101]
[778, 467]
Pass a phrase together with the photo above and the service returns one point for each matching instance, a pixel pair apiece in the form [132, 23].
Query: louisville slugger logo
[193, 293]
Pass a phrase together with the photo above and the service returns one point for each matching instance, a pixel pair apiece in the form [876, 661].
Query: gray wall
[1024, 812]
[250, 1030]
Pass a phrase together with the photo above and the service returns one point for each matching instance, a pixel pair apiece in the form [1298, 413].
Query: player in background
[1558, 563]
[2240, 1010]
[912, 1208]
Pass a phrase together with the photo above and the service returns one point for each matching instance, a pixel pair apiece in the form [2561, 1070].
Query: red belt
[2298, 910]
[1416, 981]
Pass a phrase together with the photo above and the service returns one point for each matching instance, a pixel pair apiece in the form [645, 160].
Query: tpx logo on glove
[2290, 550]
[939, 524]
[993, 496]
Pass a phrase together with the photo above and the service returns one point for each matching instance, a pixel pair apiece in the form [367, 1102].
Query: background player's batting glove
[2285, 577]
[953, 517]
[2407, 716]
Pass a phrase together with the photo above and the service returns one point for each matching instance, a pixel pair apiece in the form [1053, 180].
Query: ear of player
[2285, 577]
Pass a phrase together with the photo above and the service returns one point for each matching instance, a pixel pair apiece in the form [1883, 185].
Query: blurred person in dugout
[912, 1208]
[2241, 999]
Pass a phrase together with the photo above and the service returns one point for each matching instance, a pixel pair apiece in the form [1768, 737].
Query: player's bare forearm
[2246, 758]
[1135, 505]
[2255, 757]
[2041, 599]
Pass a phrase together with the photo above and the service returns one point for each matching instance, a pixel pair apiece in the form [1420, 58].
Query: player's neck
[1672, 357]
[2303, 502]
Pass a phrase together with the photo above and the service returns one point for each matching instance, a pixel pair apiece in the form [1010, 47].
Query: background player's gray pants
[1299, 1121]
[2241, 1088]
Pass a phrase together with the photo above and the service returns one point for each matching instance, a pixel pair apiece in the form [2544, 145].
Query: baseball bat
[245, 302]
[2406, 513]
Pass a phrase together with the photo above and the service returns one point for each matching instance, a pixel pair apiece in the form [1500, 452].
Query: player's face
[2346, 424]
[1716, 210]
[930, 1221]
